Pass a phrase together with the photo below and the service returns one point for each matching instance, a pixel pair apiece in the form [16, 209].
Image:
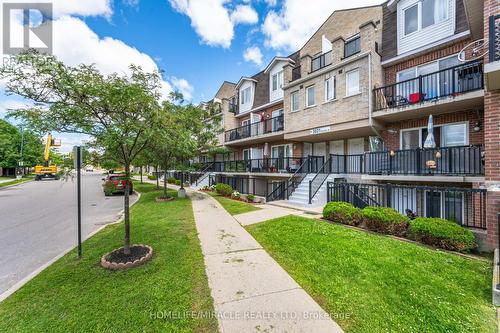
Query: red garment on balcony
[416, 97]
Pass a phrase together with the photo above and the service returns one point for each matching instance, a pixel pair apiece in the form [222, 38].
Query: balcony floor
[256, 139]
[425, 179]
[450, 104]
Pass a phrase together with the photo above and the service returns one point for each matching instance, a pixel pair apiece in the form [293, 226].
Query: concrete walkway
[268, 212]
[251, 292]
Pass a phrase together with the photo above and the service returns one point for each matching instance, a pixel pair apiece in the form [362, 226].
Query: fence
[464, 206]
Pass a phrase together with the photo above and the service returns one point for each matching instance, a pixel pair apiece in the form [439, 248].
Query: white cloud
[271, 3]
[244, 14]
[290, 27]
[212, 20]
[12, 104]
[253, 54]
[182, 86]
[209, 18]
[82, 7]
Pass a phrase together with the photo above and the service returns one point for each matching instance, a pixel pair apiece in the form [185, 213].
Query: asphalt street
[38, 221]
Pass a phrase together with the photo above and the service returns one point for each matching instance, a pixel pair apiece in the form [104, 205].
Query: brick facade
[390, 72]
[492, 141]
[392, 140]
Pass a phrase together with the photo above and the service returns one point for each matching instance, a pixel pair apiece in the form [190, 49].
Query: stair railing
[318, 180]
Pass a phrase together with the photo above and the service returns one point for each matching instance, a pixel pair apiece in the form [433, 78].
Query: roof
[275, 60]
[243, 79]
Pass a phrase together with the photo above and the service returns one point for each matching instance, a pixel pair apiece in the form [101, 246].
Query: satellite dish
[473, 51]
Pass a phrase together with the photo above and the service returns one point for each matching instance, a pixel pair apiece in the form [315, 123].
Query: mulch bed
[117, 259]
[160, 199]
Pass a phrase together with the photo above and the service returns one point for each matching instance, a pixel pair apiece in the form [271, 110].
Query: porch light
[438, 154]
[392, 153]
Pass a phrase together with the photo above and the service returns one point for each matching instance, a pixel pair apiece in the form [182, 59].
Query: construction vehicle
[47, 170]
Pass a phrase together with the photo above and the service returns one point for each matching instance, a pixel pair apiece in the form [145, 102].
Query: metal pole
[79, 199]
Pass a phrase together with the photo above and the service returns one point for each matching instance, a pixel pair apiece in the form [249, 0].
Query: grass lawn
[13, 181]
[372, 283]
[234, 207]
[80, 296]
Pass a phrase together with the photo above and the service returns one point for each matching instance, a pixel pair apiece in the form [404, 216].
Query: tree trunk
[157, 178]
[141, 174]
[165, 193]
[126, 211]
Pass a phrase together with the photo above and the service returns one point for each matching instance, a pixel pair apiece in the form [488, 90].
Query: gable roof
[275, 60]
[243, 79]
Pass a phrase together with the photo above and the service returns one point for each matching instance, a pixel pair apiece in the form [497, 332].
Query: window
[294, 101]
[424, 14]
[352, 46]
[278, 80]
[455, 135]
[411, 19]
[352, 82]
[330, 89]
[245, 96]
[310, 96]
[433, 11]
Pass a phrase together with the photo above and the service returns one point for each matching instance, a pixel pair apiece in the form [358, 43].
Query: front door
[277, 121]
[337, 147]
[355, 147]
[279, 155]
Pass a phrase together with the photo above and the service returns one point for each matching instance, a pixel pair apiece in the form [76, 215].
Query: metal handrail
[205, 172]
[320, 171]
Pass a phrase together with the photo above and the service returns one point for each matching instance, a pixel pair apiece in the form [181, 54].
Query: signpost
[77, 159]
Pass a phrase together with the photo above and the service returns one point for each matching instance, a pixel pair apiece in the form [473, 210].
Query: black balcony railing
[494, 38]
[452, 81]
[464, 206]
[321, 61]
[272, 125]
[463, 160]
[296, 73]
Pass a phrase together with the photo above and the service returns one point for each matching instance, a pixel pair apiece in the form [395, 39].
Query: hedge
[385, 221]
[441, 233]
[171, 180]
[151, 177]
[223, 189]
[342, 212]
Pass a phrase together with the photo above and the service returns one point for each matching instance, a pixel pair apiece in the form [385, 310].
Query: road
[38, 222]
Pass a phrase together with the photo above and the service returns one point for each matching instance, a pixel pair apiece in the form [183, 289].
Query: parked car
[116, 183]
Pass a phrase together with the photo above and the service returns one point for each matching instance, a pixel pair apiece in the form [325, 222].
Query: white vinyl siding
[352, 83]
[424, 22]
[310, 96]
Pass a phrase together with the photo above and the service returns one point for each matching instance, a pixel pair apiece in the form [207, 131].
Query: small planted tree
[118, 112]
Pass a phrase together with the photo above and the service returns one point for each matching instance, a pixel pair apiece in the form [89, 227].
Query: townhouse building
[346, 117]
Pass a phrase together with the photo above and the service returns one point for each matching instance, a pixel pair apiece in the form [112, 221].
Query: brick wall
[391, 71]
[492, 141]
[392, 139]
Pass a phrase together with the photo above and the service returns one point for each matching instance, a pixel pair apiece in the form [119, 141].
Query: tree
[11, 140]
[116, 111]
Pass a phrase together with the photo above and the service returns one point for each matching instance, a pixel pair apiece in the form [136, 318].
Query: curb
[37, 271]
[9, 186]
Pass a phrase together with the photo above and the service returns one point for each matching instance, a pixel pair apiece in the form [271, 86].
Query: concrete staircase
[300, 197]
[204, 181]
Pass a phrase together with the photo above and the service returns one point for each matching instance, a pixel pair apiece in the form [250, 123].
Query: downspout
[370, 97]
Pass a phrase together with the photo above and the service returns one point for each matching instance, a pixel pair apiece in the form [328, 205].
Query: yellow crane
[46, 170]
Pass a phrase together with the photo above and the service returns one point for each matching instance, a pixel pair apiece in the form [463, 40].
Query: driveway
[38, 222]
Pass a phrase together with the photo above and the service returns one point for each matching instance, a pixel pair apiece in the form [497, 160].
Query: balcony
[321, 61]
[444, 161]
[450, 82]
[492, 69]
[268, 126]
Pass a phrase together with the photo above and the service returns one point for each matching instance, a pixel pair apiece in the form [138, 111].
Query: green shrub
[171, 180]
[223, 189]
[342, 212]
[177, 182]
[250, 197]
[151, 177]
[385, 220]
[441, 233]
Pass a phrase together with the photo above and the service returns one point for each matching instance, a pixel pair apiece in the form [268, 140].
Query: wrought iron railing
[347, 163]
[321, 61]
[465, 206]
[318, 180]
[272, 125]
[451, 81]
[494, 38]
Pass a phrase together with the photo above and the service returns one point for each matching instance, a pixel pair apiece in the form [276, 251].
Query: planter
[116, 260]
[160, 199]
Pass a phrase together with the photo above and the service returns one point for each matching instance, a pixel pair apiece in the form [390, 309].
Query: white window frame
[441, 143]
[347, 94]
[249, 153]
[245, 95]
[332, 80]
[294, 93]
[277, 81]
[307, 96]
[419, 17]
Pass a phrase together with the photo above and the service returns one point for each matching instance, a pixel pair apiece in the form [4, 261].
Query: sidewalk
[251, 292]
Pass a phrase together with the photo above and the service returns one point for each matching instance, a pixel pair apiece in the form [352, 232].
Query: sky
[197, 44]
